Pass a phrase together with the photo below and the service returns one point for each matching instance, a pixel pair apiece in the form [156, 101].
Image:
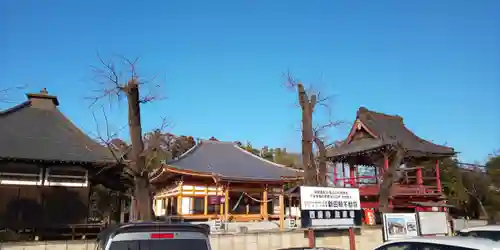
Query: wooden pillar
[205, 202]
[172, 202]
[335, 174]
[226, 202]
[352, 176]
[167, 206]
[386, 162]
[122, 210]
[438, 177]
[264, 205]
[343, 175]
[179, 199]
[133, 207]
[221, 206]
[420, 179]
[282, 211]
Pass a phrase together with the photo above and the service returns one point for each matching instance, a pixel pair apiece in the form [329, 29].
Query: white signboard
[400, 226]
[329, 198]
[433, 223]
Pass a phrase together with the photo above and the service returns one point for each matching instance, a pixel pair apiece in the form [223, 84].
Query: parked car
[308, 248]
[440, 243]
[154, 236]
[491, 232]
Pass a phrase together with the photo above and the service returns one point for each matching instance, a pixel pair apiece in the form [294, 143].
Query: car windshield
[492, 235]
[170, 244]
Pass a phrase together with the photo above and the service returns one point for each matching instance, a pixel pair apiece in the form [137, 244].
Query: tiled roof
[225, 160]
[37, 130]
[388, 129]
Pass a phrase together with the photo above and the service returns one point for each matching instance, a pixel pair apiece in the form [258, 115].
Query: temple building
[360, 161]
[220, 180]
[49, 169]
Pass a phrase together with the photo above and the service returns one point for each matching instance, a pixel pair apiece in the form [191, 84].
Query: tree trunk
[388, 181]
[307, 107]
[141, 192]
[321, 162]
[490, 219]
[144, 199]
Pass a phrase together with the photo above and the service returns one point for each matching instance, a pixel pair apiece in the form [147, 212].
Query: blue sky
[221, 63]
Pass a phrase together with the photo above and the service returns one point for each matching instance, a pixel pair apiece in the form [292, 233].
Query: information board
[433, 223]
[329, 207]
[400, 226]
[329, 198]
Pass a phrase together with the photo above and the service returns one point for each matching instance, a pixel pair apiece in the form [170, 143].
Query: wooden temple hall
[361, 160]
[220, 180]
[50, 170]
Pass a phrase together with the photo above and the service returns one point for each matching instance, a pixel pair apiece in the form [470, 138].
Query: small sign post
[328, 208]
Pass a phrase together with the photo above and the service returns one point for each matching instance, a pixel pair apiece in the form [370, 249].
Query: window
[175, 244]
[66, 176]
[213, 209]
[20, 174]
[199, 205]
[492, 235]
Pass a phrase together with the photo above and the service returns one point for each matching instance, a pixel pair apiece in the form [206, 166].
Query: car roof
[152, 226]
[474, 243]
[481, 228]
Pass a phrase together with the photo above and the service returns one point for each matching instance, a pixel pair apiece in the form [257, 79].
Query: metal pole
[352, 239]
[312, 239]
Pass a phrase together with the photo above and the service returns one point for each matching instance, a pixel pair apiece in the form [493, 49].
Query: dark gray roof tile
[37, 131]
[388, 129]
[228, 161]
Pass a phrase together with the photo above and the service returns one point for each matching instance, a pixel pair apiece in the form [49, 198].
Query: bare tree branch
[107, 140]
[478, 199]
[112, 84]
[309, 100]
[155, 141]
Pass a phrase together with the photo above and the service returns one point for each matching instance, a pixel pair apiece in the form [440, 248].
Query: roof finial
[44, 91]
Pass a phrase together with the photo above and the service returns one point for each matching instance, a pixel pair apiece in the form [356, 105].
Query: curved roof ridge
[364, 110]
[215, 142]
[185, 154]
[228, 160]
[425, 140]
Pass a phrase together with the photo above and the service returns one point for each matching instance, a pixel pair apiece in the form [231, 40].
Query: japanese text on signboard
[323, 198]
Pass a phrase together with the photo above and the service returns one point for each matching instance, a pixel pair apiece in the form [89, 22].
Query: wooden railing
[401, 190]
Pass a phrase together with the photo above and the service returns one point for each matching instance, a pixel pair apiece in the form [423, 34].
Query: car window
[493, 235]
[398, 246]
[170, 244]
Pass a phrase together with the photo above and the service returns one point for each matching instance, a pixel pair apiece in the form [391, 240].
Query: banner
[329, 198]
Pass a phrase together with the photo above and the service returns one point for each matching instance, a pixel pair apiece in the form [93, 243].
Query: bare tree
[319, 139]
[395, 160]
[113, 84]
[315, 168]
[477, 196]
